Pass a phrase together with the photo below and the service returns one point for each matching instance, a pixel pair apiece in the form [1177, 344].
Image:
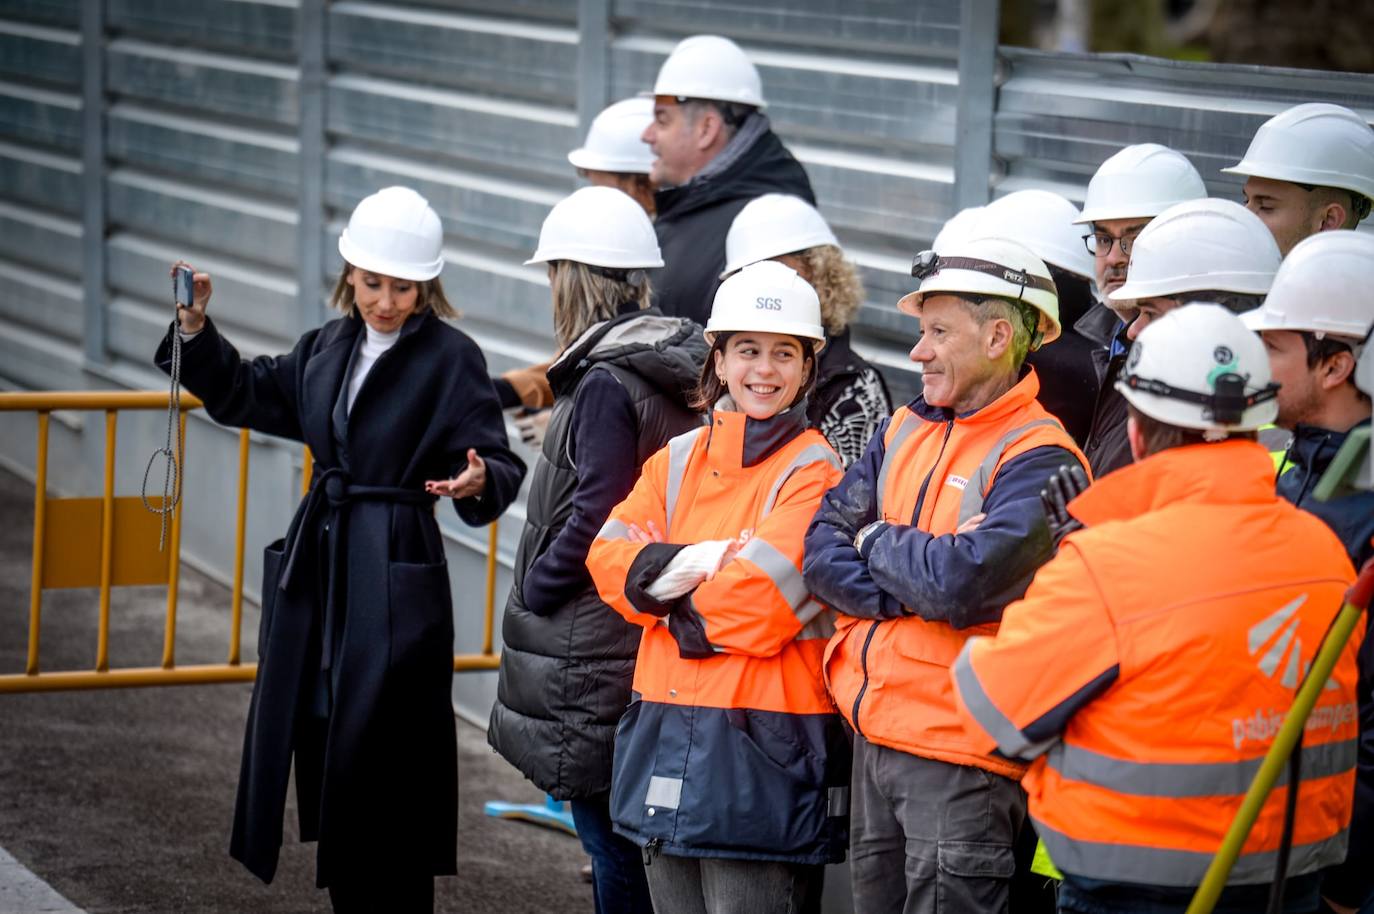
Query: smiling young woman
[731, 765]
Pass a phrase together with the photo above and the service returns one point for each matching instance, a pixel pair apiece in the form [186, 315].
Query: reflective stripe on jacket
[1151, 662]
[916, 591]
[733, 748]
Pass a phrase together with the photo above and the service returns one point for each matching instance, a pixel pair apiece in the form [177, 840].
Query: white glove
[689, 568]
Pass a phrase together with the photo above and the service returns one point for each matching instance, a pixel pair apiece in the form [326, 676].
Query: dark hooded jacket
[850, 400]
[694, 218]
[1351, 517]
[568, 658]
[1107, 448]
[355, 648]
[1066, 367]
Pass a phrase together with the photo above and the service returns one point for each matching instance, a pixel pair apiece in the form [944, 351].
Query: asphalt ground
[121, 799]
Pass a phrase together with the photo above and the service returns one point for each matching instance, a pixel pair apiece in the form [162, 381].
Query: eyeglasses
[1101, 242]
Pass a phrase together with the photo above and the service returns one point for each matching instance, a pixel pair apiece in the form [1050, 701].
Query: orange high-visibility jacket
[914, 592]
[733, 748]
[1151, 662]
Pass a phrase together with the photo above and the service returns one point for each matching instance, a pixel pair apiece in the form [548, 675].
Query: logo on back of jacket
[1275, 642]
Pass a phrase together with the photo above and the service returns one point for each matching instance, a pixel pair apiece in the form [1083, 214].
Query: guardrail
[126, 554]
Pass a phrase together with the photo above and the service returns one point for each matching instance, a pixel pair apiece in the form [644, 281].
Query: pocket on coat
[421, 609]
[272, 558]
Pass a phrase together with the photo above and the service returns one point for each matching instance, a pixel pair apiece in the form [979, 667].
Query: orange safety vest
[1151, 662]
[890, 678]
[739, 753]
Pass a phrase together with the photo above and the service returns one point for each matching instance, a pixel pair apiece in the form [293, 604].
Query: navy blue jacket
[944, 577]
[1352, 519]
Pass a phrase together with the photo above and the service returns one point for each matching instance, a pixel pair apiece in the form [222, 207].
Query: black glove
[1066, 484]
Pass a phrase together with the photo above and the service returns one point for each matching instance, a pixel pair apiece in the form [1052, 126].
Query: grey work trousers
[929, 837]
[697, 885]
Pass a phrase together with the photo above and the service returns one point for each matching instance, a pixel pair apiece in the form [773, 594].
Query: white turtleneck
[373, 346]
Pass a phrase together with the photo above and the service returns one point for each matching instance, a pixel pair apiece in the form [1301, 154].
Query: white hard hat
[769, 297]
[1317, 143]
[1325, 285]
[959, 227]
[988, 266]
[1140, 181]
[1044, 222]
[1201, 245]
[710, 67]
[613, 141]
[773, 225]
[396, 233]
[600, 226]
[1199, 367]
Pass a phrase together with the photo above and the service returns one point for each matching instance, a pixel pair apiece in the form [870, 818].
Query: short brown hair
[431, 296]
[711, 388]
[1160, 436]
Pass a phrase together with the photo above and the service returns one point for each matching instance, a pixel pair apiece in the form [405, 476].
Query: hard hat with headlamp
[989, 267]
[1198, 367]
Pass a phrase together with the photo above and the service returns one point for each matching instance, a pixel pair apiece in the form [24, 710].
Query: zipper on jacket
[863, 665]
[873, 629]
[651, 850]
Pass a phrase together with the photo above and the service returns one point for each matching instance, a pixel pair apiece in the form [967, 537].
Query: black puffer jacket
[694, 218]
[621, 393]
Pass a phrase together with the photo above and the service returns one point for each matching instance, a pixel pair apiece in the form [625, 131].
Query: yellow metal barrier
[63, 556]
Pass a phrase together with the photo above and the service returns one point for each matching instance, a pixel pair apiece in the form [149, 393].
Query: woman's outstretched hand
[469, 482]
[192, 319]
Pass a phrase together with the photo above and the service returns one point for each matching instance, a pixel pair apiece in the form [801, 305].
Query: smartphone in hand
[183, 286]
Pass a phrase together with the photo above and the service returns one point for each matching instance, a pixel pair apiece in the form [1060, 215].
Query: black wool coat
[356, 641]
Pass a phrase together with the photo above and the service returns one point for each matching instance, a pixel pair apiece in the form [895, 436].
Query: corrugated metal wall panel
[499, 57]
[41, 316]
[261, 28]
[1060, 115]
[40, 54]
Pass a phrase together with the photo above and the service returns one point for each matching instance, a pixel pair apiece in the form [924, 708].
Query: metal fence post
[310, 192]
[93, 179]
[978, 20]
[593, 60]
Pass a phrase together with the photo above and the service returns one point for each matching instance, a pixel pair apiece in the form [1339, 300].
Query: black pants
[383, 894]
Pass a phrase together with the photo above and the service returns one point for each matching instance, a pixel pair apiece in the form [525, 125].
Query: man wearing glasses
[1128, 190]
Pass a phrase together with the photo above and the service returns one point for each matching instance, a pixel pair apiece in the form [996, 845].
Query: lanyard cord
[171, 481]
